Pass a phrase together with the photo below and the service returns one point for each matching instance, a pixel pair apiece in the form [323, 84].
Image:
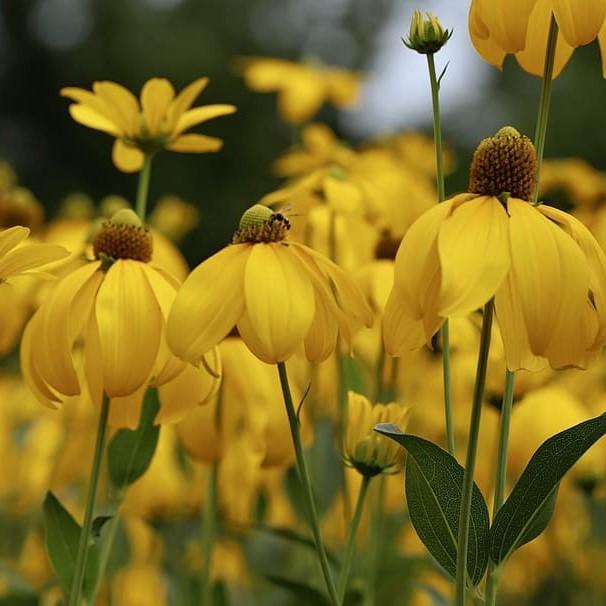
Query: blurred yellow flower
[365, 450]
[281, 295]
[500, 27]
[119, 304]
[544, 268]
[159, 120]
[302, 88]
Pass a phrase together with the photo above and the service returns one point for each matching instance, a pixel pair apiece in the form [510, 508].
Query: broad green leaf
[305, 593]
[434, 482]
[130, 452]
[527, 511]
[62, 538]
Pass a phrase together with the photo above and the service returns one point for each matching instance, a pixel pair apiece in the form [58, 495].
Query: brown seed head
[260, 224]
[123, 237]
[505, 163]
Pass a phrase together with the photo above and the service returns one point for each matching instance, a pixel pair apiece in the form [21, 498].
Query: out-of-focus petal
[195, 144]
[156, 96]
[579, 22]
[124, 104]
[197, 115]
[127, 158]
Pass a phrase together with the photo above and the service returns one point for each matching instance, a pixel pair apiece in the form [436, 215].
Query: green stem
[107, 544]
[306, 483]
[207, 535]
[437, 137]
[472, 450]
[85, 533]
[545, 101]
[350, 545]
[375, 541]
[500, 476]
[143, 188]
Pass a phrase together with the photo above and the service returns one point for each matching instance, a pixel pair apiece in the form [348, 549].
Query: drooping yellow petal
[156, 96]
[473, 244]
[532, 57]
[125, 412]
[209, 304]
[321, 340]
[129, 322]
[507, 21]
[343, 88]
[579, 22]
[402, 332]
[127, 158]
[124, 103]
[602, 41]
[61, 319]
[342, 196]
[301, 97]
[87, 116]
[280, 302]
[486, 46]
[535, 266]
[196, 144]
[202, 114]
[184, 100]
[28, 257]
[11, 237]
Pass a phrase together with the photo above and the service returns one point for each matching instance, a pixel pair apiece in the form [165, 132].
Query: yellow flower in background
[302, 88]
[500, 27]
[119, 304]
[159, 120]
[281, 295]
[545, 270]
[367, 451]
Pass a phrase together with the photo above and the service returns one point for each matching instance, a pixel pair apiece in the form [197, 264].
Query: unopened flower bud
[427, 36]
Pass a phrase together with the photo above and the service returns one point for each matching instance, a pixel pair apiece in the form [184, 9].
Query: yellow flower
[158, 121]
[302, 88]
[367, 451]
[500, 27]
[545, 270]
[118, 304]
[281, 295]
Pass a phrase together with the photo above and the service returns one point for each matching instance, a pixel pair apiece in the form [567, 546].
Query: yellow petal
[602, 41]
[184, 100]
[301, 97]
[535, 266]
[510, 317]
[192, 387]
[507, 21]
[62, 318]
[98, 105]
[89, 117]
[343, 88]
[125, 412]
[209, 304]
[280, 303]
[10, 238]
[321, 340]
[342, 196]
[126, 158]
[402, 332]
[264, 75]
[532, 58]
[129, 322]
[123, 102]
[202, 114]
[473, 244]
[156, 96]
[28, 257]
[486, 46]
[194, 143]
[579, 22]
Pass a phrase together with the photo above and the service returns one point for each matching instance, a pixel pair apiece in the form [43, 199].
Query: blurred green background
[47, 44]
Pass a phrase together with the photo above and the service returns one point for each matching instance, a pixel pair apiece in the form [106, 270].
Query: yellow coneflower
[500, 27]
[302, 88]
[158, 121]
[365, 450]
[280, 295]
[118, 304]
[545, 270]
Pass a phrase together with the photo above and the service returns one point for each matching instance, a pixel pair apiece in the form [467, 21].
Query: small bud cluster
[260, 224]
[505, 163]
[123, 237]
[427, 36]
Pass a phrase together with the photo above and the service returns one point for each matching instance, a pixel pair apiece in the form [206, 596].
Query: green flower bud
[427, 36]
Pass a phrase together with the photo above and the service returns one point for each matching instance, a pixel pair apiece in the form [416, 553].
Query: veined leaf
[527, 511]
[130, 452]
[434, 483]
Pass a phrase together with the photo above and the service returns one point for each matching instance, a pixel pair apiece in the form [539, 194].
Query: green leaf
[307, 594]
[62, 538]
[527, 511]
[130, 452]
[434, 482]
[19, 599]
